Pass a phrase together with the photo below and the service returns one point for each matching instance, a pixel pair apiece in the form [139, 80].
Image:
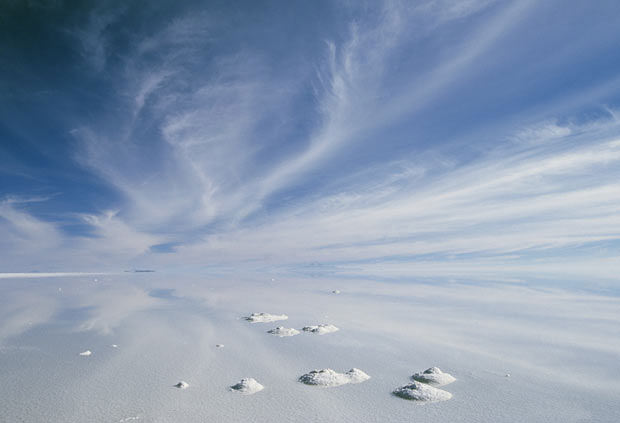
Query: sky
[396, 140]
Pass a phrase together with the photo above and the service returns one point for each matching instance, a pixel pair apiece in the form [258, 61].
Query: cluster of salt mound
[321, 329]
[281, 331]
[422, 389]
[423, 386]
[265, 317]
[247, 386]
[330, 378]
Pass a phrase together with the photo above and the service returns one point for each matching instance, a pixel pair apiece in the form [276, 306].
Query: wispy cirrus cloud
[30, 243]
[533, 202]
[205, 144]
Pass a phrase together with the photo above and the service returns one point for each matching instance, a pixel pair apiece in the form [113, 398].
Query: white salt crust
[321, 329]
[247, 386]
[434, 376]
[418, 391]
[331, 378]
[281, 331]
[265, 317]
[182, 385]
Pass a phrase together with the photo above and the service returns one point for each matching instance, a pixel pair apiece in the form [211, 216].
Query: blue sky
[395, 139]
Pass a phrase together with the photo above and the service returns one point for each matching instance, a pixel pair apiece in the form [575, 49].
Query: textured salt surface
[434, 376]
[422, 392]
[85, 353]
[281, 331]
[329, 377]
[265, 317]
[182, 385]
[321, 329]
[247, 386]
[168, 342]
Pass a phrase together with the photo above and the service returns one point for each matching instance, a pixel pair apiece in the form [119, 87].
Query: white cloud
[21, 231]
[29, 243]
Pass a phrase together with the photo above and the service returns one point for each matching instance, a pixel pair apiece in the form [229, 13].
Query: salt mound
[181, 385]
[418, 391]
[265, 317]
[329, 377]
[321, 329]
[219, 345]
[247, 386]
[335, 291]
[281, 331]
[85, 353]
[434, 376]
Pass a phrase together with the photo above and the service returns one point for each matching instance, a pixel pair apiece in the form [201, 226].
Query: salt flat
[561, 349]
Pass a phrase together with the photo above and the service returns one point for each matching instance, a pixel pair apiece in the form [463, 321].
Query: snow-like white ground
[561, 349]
